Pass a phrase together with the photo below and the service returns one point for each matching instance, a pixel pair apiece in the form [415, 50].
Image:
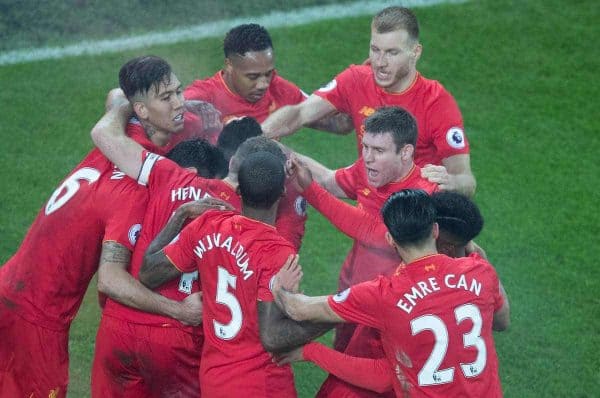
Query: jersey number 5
[430, 374]
[70, 187]
[230, 330]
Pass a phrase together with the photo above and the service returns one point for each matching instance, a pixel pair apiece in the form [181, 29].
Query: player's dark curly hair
[200, 154]
[261, 180]
[457, 215]
[141, 74]
[247, 37]
[235, 133]
[409, 216]
[395, 120]
[257, 144]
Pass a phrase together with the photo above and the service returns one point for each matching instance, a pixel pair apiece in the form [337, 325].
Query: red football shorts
[134, 360]
[34, 361]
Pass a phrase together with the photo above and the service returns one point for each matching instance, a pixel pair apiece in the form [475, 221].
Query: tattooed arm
[118, 284]
[338, 123]
[279, 333]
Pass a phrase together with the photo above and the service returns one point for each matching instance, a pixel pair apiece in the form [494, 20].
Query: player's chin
[176, 128]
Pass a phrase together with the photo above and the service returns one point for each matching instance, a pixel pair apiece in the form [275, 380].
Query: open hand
[289, 276]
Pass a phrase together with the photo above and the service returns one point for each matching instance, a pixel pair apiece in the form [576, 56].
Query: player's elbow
[501, 320]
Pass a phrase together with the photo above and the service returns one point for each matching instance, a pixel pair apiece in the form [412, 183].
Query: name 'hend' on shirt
[214, 241]
[423, 288]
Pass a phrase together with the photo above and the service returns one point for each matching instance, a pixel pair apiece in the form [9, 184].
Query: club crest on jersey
[329, 86]
[134, 233]
[341, 296]
[300, 206]
[456, 137]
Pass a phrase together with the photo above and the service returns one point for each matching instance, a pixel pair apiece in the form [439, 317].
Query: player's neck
[158, 138]
[232, 180]
[266, 216]
[403, 84]
[412, 253]
[407, 168]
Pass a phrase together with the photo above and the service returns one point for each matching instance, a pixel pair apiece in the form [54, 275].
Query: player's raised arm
[306, 169]
[289, 119]
[109, 135]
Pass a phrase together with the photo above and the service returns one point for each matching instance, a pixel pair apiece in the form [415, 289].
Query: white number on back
[430, 374]
[230, 330]
[70, 186]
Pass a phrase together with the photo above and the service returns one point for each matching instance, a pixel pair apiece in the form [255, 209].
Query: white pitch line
[215, 29]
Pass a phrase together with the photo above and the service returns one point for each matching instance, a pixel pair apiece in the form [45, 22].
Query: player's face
[393, 59]
[163, 108]
[383, 164]
[249, 76]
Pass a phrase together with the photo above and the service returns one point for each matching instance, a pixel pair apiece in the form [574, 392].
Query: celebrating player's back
[236, 257]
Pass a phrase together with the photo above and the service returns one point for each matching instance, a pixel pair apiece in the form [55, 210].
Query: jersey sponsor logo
[134, 233]
[366, 111]
[341, 296]
[455, 137]
[329, 86]
[365, 191]
[300, 206]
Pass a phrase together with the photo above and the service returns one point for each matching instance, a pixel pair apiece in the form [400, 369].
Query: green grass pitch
[525, 74]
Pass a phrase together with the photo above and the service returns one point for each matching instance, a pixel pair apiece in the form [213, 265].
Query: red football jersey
[435, 316]
[214, 90]
[237, 258]
[364, 263]
[440, 123]
[46, 279]
[169, 186]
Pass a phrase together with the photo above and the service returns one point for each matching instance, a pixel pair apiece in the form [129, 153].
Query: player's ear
[435, 231]
[140, 110]
[407, 152]
[228, 65]
[390, 240]
[416, 52]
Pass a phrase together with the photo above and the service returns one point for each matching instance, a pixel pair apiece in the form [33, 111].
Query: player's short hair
[391, 19]
[141, 74]
[235, 133]
[200, 154]
[245, 38]
[395, 120]
[261, 180]
[457, 215]
[253, 145]
[409, 215]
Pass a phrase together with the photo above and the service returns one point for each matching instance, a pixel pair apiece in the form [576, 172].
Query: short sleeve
[360, 303]
[182, 251]
[126, 216]
[338, 91]
[272, 259]
[347, 178]
[446, 125]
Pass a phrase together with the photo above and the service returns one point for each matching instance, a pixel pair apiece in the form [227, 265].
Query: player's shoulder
[280, 88]
[433, 88]
[201, 88]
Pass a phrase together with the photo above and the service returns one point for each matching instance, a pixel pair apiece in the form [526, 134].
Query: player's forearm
[285, 121]
[369, 373]
[464, 183]
[120, 286]
[303, 308]
[322, 175]
[501, 320]
[351, 220]
[338, 123]
[109, 136]
[280, 334]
